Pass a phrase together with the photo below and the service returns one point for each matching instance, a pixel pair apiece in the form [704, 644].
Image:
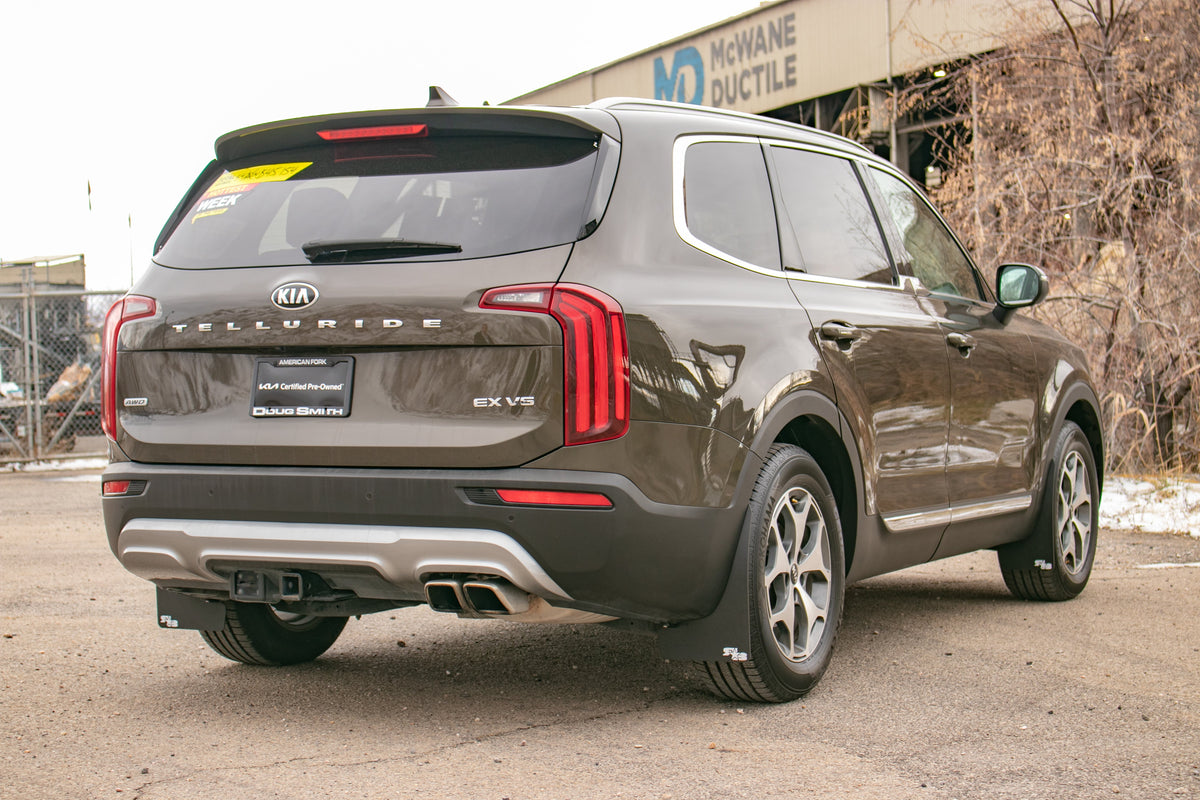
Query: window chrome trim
[679, 210]
[907, 283]
[793, 275]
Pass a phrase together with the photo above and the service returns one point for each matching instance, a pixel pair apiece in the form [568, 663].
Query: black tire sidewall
[281, 642]
[790, 467]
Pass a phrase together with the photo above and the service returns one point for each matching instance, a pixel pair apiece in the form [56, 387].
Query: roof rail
[636, 102]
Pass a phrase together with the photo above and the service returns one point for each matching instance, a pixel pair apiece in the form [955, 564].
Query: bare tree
[1082, 154]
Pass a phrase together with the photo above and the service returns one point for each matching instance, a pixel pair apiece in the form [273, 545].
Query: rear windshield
[414, 198]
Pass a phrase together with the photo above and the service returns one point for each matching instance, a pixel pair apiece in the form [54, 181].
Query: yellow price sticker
[266, 173]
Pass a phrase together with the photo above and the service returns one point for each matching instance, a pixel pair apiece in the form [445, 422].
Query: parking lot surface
[942, 686]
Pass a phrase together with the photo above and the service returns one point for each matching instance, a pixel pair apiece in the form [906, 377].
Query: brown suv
[685, 369]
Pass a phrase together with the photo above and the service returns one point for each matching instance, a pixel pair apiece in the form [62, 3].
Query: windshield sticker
[215, 205]
[225, 190]
[251, 175]
[228, 188]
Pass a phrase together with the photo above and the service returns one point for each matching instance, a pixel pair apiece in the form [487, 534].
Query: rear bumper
[383, 533]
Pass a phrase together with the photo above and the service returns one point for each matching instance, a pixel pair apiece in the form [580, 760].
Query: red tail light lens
[127, 308]
[595, 354]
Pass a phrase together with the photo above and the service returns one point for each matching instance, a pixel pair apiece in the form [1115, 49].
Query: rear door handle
[840, 332]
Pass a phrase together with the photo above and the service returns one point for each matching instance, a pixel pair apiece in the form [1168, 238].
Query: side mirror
[1018, 286]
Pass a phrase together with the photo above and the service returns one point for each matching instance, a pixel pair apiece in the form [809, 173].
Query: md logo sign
[685, 82]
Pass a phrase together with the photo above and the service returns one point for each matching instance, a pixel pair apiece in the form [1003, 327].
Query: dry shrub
[1081, 155]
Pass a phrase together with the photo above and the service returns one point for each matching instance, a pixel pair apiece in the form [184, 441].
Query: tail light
[127, 308]
[595, 354]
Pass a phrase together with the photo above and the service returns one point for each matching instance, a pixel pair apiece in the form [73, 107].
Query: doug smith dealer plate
[302, 386]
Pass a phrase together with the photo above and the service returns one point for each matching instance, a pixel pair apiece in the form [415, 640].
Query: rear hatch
[316, 295]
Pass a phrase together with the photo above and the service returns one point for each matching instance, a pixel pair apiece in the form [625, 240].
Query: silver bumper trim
[183, 549]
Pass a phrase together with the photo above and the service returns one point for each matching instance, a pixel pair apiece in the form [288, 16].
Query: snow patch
[58, 465]
[1152, 505]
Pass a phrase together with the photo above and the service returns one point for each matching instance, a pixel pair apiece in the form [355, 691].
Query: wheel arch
[1084, 411]
[1076, 403]
[812, 421]
[823, 442]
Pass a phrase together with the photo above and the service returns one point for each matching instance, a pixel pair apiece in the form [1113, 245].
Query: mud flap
[725, 633]
[177, 610]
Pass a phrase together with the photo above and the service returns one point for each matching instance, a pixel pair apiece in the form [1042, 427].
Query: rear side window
[727, 201]
[462, 196]
[830, 216]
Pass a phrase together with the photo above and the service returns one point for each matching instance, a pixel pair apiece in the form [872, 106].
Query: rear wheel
[797, 581]
[1066, 527]
[256, 633]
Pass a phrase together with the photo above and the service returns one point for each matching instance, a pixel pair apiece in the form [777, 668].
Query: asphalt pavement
[942, 686]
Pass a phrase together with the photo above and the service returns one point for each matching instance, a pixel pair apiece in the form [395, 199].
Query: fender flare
[1033, 548]
[1076, 392]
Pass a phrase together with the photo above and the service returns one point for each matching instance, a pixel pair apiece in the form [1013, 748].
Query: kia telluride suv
[685, 369]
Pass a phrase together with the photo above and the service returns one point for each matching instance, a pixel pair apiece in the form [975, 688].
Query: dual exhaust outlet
[476, 597]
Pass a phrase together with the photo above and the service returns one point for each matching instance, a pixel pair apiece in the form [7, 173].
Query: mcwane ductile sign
[793, 50]
[754, 60]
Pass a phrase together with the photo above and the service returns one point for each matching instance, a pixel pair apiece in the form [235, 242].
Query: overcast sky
[129, 95]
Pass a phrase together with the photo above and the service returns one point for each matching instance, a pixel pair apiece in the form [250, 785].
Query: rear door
[886, 353]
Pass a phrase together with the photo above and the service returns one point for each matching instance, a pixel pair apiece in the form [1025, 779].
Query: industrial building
[833, 64]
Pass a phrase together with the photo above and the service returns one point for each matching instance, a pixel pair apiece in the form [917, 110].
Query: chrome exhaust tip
[493, 597]
[478, 597]
[446, 595]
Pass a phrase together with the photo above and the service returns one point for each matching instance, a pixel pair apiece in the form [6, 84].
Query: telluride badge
[295, 295]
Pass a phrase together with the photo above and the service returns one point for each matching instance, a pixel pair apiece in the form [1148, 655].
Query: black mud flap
[177, 610]
[724, 635]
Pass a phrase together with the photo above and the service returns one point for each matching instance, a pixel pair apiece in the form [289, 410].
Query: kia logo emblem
[293, 296]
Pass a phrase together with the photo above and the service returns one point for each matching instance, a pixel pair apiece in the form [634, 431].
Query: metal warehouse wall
[792, 50]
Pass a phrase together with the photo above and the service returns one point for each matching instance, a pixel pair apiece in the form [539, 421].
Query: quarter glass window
[727, 201]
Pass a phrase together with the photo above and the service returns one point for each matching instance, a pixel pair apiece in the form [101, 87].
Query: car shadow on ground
[418, 665]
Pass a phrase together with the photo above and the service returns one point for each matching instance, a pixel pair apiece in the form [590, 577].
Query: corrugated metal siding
[793, 50]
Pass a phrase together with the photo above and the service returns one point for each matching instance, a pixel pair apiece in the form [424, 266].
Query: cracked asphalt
[942, 686]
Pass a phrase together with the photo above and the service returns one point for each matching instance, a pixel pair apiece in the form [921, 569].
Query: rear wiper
[340, 251]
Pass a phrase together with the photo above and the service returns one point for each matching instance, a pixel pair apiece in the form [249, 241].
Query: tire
[797, 580]
[1066, 528]
[256, 633]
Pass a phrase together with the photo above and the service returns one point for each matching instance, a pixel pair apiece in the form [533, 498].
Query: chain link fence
[50, 369]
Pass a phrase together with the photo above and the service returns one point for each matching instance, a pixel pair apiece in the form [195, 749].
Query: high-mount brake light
[536, 497]
[595, 354]
[128, 308]
[375, 132]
